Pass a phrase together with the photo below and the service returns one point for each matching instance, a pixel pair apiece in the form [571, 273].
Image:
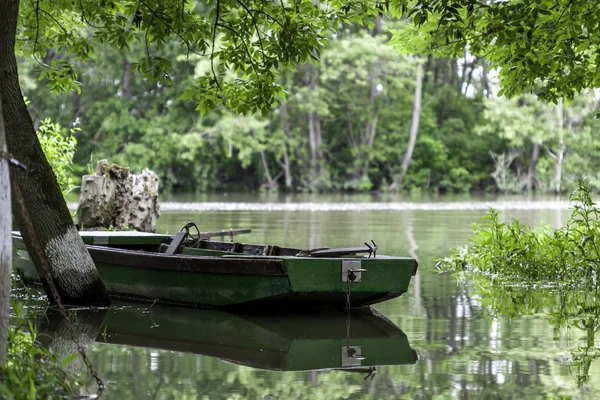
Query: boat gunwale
[187, 263]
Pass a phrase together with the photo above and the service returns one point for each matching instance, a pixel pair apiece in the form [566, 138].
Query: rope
[348, 313]
[53, 291]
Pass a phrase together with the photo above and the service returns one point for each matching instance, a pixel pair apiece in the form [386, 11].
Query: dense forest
[362, 117]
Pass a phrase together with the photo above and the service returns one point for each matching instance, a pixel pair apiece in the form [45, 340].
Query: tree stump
[115, 197]
[96, 201]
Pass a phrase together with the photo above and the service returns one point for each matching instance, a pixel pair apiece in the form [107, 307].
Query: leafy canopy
[252, 38]
[548, 47]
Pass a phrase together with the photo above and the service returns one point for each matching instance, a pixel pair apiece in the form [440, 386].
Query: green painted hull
[283, 342]
[231, 280]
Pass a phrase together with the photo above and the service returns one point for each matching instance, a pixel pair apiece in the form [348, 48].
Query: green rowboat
[300, 341]
[203, 273]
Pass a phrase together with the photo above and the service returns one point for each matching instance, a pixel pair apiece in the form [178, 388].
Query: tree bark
[371, 124]
[5, 243]
[270, 181]
[51, 239]
[285, 128]
[414, 129]
[373, 115]
[561, 148]
[485, 81]
[532, 170]
[314, 125]
[127, 79]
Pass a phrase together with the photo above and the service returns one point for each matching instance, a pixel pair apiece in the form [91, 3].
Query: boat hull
[239, 281]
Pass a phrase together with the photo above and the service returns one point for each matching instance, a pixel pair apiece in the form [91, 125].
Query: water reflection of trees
[478, 345]
[573, 314]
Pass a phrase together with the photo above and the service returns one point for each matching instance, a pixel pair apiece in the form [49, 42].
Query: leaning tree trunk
[39, 207]
[5, 243]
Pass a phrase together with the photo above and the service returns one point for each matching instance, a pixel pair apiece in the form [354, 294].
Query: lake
[463, 351]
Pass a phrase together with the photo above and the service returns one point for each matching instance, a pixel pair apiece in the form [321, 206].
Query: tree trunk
[453, 80]
[503, 163]
[560, 150]
[414, 129]
[40, 209]
[270, 181]
[485, 80]
[314, 125]
[285, 128]
[5, 243]
[371, 124]
[532, 170]
[127, 79]
[369, 141]
[373, 114]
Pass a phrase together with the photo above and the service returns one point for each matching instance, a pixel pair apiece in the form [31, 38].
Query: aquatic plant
[515, 254]
[31, 371]
[516, 270]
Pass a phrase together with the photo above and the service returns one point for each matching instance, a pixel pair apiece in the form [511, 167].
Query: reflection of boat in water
[281, 342]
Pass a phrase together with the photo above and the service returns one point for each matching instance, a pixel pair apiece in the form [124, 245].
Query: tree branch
[254, 66]
[83, 16]
[262, 50]
[214, 39]
[168, 25]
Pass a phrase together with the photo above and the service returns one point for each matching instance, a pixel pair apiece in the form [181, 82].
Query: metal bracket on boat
[100, 240]
[373, 249]
[352, 271]
[351, 356]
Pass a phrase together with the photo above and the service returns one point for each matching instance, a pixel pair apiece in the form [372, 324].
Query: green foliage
[59, 151]
[251, 39]
[31, 371]
[517, 271]
[514, 254]
[359, 95]
[546, 46]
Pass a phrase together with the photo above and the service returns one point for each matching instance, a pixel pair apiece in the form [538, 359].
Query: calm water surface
[462, 351]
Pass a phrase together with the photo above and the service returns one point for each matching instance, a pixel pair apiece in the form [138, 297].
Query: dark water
[463, 351]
